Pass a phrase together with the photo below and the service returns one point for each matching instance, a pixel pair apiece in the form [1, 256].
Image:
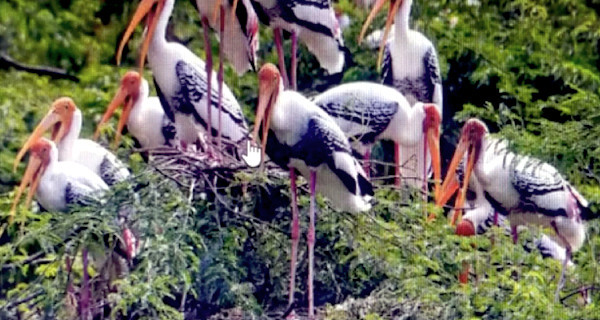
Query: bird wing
[318, 145]
[374, 115]
[540, 186]
[168, 130]
[84, 189]
[112, 170]
[432, 77]
[386, 66]
[193, 88]
[164, 102]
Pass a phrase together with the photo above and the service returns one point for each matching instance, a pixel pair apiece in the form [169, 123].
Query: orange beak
[121, 98]
[51, 120]
[268, 92]
[233, 8]
[395, 5]
[447, 186]
[151, 9]
[35, 169]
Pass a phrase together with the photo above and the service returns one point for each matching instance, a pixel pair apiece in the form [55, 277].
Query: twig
[579, 290]
[7, 61]
[31, 259]
[24, 300]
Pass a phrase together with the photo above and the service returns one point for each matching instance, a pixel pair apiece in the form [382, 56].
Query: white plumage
[145, 117]
[181, 80]
[367, 112]
[66, 120]
[526, 190]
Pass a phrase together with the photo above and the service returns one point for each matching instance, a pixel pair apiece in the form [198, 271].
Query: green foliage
[528, 68]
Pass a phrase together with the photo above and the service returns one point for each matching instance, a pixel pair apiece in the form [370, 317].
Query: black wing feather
[386, 66]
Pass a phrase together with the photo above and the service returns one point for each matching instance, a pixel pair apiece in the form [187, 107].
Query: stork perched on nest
[299, 136]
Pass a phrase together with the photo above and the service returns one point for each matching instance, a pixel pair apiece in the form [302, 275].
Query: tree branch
[7, 61]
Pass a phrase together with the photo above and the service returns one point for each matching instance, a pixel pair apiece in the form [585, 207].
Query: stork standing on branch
[526, 190]
[181, 80]
[314, 23]
[237, 25]
[410, 65]
[367, 112]
[299, 136]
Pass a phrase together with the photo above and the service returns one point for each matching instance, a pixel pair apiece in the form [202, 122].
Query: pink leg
[220, 78]
[495, 218]
[295, 236]
[515, 234]
[568, 253]
[84, 298]
[311, 245]
[397, 163]
[279, 46]
[294, 62]
[131, 244]
[367, 163]
[425, 189]
[208, 66]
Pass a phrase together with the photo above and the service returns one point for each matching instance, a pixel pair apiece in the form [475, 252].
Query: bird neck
[137, 110]
[402, 20]
[409, 124]
[67, 144]
[160, 33]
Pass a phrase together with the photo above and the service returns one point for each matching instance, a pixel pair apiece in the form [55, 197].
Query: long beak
[49, 120]
[267, 96]
[462, 195]
[32, 176]
[376, 8]
[119, 99]
[388, 25]
[144, 9]
[446, 190]
[216, 9]
[233, 8]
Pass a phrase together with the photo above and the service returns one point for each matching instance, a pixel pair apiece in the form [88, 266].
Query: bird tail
[591, 211]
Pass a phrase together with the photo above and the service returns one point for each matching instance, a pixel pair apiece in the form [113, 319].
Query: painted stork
[526, 190]
[141, 113]
[410, 62]
[298, 135]
[314, 23]
[410, 65]
[181, 81]
[237, 27]
[65, 120]
[367, 112]
[60, 184]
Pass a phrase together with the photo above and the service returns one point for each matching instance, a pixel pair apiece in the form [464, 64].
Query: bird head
[471, 141]
[151, 10]
[394, 6]
[126, 96]
[465, 228]
[268, 91]
[59, 118]
[39, 158]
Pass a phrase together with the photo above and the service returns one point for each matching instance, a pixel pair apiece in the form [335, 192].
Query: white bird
[314, 23]
[181, 81]
[367, 112]
[65, 120]
[145, 118]
[410, 61]
[410, 64]
[298, 135]
[60, 184]
[526, 190]
[237, 26]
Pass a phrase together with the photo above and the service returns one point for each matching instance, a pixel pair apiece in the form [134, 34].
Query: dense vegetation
[528, 68]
